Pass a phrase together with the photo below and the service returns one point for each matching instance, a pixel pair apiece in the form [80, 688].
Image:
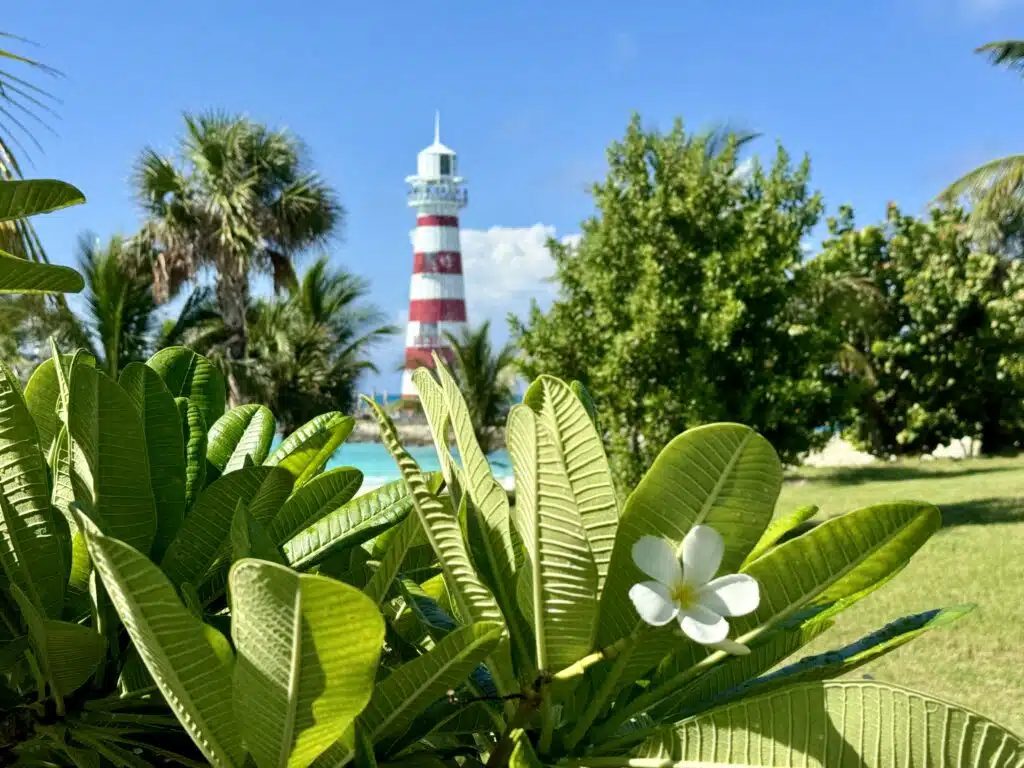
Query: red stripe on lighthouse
[437, 310]
[442, 263]
[437, 221]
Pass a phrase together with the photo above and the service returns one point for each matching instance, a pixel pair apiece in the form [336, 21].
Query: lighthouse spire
[437, 126]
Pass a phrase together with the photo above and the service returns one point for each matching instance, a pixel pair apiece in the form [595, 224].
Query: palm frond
[25, 108]
[1008, 53]
[119, 300]
[718, 138]
[486, 378]
[195, 319]
[1004, 173]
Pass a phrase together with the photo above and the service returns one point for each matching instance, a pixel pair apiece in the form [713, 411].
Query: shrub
[173, 593]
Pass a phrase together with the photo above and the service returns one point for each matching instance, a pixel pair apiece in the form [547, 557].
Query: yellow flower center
[684, 594]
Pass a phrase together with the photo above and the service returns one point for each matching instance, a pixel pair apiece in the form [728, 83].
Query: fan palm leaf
[1009, 53]
[993, 187]
[240, 198]
[307, 349]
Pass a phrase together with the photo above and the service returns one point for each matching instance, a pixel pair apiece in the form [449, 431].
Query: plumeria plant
[646, 634]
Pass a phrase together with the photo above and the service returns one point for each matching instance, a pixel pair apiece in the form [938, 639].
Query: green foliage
[293, 705]
[19, 200]
[486, 378]
[22, 98]
[189, 374]
[685, 301]
[307, 347]
[288, 622]
[940, 351]
[240, 197]
[842, 724]
[120, 313]
[115, 561]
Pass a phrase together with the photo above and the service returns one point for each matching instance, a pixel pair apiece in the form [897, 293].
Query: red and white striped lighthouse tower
[437, 299]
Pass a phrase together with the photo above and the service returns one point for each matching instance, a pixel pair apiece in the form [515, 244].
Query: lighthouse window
[446, 165]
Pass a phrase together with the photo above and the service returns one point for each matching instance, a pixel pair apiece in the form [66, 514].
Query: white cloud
[506, 267]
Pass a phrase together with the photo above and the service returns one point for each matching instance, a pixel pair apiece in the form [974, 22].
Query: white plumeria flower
[688, 591]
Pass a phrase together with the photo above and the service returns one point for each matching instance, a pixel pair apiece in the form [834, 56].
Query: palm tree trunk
[232, 300]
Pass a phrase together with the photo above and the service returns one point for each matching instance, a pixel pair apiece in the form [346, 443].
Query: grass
[978, 557]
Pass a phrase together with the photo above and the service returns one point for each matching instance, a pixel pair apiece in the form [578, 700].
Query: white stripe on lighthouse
[433, 239]
[436, 286]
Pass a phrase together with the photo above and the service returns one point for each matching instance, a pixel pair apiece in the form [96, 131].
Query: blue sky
[886, 98]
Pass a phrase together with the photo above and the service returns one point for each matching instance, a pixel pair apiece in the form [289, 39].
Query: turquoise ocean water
[377, 466]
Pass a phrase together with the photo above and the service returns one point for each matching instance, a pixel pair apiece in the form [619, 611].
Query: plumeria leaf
[578, 446]
[306, 451]
[193, 429]
[189, 374]
[839, 724]
[318, 498]
[563, 577]
[165, 449]
[725, 476]
[34, 537]
[356, 521]
[247, 430]
[778, 528]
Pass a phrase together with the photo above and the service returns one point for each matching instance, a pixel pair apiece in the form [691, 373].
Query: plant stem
[652, 697]
[503, 750]
[607, 687]
[547, 716]
[605, 654]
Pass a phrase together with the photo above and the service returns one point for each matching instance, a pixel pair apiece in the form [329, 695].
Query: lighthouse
[437, 299]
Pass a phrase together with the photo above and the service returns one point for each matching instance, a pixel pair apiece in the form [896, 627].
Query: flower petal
[703, 626]
[703, 548]
[653, 603]
[731, 647]
[655, 556]
[734, 595]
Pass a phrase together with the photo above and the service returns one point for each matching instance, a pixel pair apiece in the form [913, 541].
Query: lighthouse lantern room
[437, 302]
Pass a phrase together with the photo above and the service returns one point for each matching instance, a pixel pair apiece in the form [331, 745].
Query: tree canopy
[943, 343]
[239, 197]
[686, 301]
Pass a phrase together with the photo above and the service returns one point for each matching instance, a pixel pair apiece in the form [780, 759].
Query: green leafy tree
[941, 349]
[307, 348]
[239, 198]
[685, 301]
[487, 378]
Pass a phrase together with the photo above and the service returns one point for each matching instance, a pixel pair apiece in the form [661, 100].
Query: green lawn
[978, 557]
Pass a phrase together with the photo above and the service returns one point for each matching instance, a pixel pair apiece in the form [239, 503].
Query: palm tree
[120, 318]
[307, 349]
[239, 198]
[994, 190]
[486, 378]
[23, 109]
